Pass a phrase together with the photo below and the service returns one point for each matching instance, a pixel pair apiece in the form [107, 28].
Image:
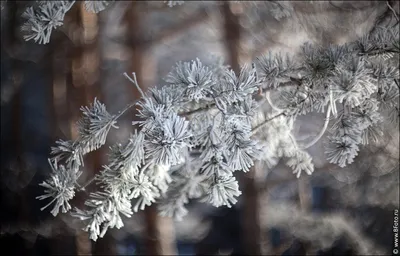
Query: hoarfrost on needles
[207, 122]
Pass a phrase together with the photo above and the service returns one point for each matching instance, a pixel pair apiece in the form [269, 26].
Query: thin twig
[120, 113]
[258, 127]
[394, 12]
[87, 183]
[134, 81]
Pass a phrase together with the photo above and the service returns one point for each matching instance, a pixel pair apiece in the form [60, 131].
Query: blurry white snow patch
[321, 230]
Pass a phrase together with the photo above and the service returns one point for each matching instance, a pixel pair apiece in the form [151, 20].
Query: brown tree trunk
[159, 236]
[304, 189]
[304, 193]
[85, 71]
[232, 33]
[251, 232]
[250, 213]
[88, 66]
[76, 98]
[57, 65]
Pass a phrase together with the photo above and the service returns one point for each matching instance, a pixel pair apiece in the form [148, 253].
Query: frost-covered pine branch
[164, 139]
[43, 17]
[67, 156]
[207, 122]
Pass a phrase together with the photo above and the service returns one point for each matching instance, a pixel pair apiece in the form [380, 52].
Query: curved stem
[332, 103]
[272, 104]
[328, 114]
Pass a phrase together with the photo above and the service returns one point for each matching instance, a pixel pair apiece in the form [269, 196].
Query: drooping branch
[321, 133]
[235, 98]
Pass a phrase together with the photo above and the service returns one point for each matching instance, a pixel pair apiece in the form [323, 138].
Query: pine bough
[206, 123]
[45, 16]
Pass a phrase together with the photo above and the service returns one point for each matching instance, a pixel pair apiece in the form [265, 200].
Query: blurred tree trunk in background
[305, 193]
[85, 87]
[304, 188]
[159, 236]
[231, 30]
[136, 48]
[56, 63]
[251, 231]
[76, 98]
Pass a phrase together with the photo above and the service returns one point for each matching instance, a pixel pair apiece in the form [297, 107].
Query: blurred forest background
[336, 211]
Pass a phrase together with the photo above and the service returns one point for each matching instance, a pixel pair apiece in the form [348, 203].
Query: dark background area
[43, 86]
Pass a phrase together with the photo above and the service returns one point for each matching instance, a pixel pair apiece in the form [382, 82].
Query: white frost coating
[208, 122]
